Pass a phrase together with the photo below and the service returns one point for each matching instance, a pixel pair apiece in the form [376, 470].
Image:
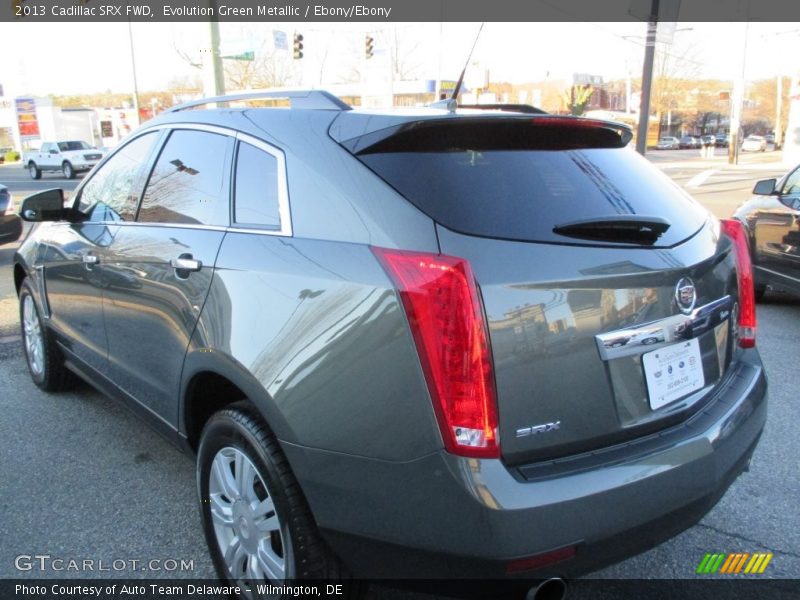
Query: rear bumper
[443, 516]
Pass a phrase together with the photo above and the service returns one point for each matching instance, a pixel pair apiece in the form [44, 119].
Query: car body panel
[71, 289]
[306, 323]
[511, 517]
[544, 318]
[151, 311]
[328, 319]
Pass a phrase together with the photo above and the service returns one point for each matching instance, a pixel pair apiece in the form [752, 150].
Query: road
[82, 478]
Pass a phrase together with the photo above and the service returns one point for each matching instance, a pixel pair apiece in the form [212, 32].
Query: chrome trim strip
[283, 187]
[167, 225]
[639, 339]
[783, 275]
[284, 211]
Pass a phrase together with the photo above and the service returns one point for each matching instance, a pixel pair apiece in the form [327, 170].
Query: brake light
[744, 271]
[441, 301]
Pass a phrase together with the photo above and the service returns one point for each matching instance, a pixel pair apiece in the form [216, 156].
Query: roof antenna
[451, 103]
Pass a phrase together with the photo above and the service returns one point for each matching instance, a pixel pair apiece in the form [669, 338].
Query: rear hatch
[608, 291]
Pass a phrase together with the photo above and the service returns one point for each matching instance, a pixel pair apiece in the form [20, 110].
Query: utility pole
[647, 79]
[778, 109]
[213, 80]
[737, 100]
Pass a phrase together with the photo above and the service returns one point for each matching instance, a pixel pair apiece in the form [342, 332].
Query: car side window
[256, 188]
[189, 182]
[792, 185]
[112, 192]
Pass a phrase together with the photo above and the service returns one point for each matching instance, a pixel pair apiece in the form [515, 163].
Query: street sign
[237, 49]
[249, 55]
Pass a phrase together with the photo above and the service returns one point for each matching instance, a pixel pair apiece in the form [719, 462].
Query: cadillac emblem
[685, 295]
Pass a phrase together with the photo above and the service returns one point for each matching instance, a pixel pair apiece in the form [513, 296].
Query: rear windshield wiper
[627, 229]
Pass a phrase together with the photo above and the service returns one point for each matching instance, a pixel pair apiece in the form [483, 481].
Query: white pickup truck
[69, 157]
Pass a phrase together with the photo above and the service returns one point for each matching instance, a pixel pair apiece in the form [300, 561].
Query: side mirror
[765, 187]
[43, 206]
[53, 151]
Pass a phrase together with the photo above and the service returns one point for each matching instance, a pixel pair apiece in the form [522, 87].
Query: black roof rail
[520, 108]
[301, 99]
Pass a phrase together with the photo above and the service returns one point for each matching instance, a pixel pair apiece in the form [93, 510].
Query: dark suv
[405, 344]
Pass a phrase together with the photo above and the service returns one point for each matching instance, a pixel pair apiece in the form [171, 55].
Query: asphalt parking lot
[83, 478]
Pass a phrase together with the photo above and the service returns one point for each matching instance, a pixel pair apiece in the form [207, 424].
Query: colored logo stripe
[758, 563]
[734, 563]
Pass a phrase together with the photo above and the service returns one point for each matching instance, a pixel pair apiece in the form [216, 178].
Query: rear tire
[45, 361]
[760, 292]
[252, 506]
[34, 171]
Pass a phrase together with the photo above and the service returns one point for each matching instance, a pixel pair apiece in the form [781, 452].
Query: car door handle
[185, 262]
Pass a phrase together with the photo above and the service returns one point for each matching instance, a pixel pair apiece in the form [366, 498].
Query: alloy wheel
[248, 529]
[32, 332]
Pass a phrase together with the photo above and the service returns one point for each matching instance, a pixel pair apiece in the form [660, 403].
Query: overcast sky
[96, 57]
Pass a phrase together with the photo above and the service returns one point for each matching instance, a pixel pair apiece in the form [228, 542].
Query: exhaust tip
[550, 589]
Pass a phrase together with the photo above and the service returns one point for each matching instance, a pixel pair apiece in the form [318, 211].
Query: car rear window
[543, 179]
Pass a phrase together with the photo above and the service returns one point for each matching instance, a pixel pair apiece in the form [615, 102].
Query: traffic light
[369, 46]
[298, 46]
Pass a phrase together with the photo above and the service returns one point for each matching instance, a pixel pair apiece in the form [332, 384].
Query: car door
[160, 267]
[70, 256]
[777, 234]
[45, 159]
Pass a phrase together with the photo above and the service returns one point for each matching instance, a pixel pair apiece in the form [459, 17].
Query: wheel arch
[19, 276]
[211, 381]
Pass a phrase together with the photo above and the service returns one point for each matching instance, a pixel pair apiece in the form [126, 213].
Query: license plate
[673, 372]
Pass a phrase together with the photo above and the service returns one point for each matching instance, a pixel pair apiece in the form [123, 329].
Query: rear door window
[189, 183]
[256, 188]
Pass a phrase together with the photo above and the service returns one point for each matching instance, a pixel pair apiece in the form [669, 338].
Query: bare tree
[269, 68]
[675, 68]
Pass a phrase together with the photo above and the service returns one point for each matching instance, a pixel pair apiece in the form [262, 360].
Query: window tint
[66, 146]
[112, 193]
[256, 191]
[188, 182]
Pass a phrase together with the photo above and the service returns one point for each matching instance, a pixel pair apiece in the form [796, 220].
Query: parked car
[754, 143]
[721, 140]
[772, 221]
[668, 143]
[321, 303]
[708, 140]
[66, 157]
[689, 141]
[10, 223]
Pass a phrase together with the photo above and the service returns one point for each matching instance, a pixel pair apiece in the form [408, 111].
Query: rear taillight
[744, 270]
[444, 310]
